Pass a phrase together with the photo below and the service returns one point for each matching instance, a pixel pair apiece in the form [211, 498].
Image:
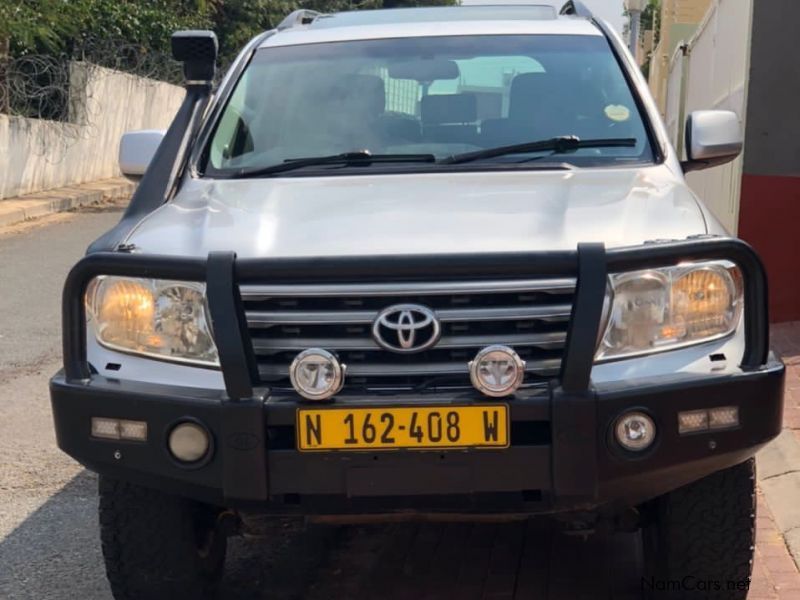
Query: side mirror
[713, 138]
[136, 151]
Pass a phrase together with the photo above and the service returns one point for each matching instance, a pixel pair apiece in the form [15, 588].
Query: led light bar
[713, 419]
[119, 429]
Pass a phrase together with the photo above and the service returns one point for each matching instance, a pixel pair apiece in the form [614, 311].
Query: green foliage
[56, 26]
[52, 26]
[147, 23]
[651, 18]
[237, 21]
[34, 24]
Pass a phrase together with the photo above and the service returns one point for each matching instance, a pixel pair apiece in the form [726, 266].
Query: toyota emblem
[406, 328]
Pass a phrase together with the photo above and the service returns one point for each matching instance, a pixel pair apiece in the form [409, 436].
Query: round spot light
[497, 371]
[316, 374]
[189, 442]
[635, 431]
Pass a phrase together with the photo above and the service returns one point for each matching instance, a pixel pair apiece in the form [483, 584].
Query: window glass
[437, 95]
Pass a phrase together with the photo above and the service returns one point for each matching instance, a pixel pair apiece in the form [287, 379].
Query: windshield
[439, 96]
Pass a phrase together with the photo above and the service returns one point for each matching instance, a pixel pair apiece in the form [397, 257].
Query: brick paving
[479, 561]
[786, 341]
[775, 574]
[485, 561]
[513, 562]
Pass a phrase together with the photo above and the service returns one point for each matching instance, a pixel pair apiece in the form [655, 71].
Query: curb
[40, 204]
[779, 480]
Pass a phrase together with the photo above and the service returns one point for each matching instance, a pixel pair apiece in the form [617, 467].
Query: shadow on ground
[55, 554]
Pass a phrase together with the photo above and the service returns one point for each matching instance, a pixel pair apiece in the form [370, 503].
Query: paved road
[48, 531]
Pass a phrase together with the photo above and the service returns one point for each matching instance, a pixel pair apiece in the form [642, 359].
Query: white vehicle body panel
[432, 213]
[292, 37]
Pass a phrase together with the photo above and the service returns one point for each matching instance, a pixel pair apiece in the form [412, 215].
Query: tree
[103, 30]
[26, 24]
[651, 19]
[237, 21]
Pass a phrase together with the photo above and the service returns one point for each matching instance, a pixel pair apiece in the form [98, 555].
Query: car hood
[422, 213]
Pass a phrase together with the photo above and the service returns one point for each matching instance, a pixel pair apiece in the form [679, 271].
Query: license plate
[414, 428]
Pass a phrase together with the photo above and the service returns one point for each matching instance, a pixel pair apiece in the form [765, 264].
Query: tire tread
[149, 547]
[706, 530]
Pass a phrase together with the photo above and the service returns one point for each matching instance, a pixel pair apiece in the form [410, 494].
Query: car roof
[512, 19]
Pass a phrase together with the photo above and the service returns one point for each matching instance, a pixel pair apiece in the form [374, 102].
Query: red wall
[769, 219]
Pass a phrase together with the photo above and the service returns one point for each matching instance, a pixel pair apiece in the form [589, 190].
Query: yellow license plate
[417, 428]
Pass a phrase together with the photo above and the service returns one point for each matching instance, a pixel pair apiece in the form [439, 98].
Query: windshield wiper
[360, 158]
[558, 145]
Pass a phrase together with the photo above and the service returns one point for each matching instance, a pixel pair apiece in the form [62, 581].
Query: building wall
[711, 72]
[770, 202]
[718, 72]
[684, 11]
[37, 154]
[679, 19]
[742, 59]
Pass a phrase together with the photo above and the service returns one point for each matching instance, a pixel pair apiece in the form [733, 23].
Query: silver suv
[419, 262]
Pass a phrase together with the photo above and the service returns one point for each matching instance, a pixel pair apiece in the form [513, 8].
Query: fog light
[316, 374]
[635, 431]
[724, 417]
[692, 421]
[189, 442]
[119, 429]
[497, 371]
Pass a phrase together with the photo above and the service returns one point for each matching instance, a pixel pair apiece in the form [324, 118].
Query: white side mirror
[136, 151]
[713, 137]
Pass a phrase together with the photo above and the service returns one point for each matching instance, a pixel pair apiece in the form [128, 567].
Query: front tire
[701, 538]
[158, 546]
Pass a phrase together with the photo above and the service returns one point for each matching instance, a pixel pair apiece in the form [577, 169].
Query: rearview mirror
[425, 70]
[136, 151]
[713, 138]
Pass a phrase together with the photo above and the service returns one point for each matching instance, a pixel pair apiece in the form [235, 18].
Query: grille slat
[547, 286]
[271, 345]
[544, 368]
[530, 315]
[558, 312]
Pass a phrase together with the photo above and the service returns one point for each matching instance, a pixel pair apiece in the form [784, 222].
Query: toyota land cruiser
[430, 263]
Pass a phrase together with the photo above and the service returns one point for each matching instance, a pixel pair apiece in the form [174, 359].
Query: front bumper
[561, 457]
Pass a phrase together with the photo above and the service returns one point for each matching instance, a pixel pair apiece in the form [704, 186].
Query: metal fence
[44, 86]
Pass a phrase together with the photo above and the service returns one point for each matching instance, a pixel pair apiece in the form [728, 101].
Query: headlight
[157, 318]
[664, 309]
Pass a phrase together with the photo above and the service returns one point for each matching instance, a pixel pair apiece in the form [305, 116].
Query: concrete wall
[770, 204]
[37, 154]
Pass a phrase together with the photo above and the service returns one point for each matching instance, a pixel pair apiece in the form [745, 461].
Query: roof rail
[299, 17]
[576, 8]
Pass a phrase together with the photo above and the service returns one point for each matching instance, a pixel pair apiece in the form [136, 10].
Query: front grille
[529, 315]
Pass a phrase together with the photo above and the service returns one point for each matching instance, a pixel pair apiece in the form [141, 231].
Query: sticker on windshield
[618, 113]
